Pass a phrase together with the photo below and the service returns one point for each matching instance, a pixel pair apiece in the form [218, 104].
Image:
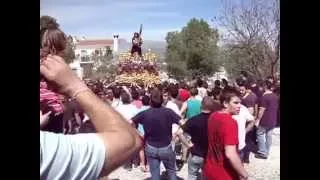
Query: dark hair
[268, 85]
[156, 98]
[145, 100]
[125, 98]
[199, 82]
[224, 82]
[194, 91]
[227, 94]
[217, 83]
[205, 85]
[216, 92]
[116, 92]
[183, 85]
[136, 35]
[210, 93]
[135, 94]
[173, 92]
[244, 84]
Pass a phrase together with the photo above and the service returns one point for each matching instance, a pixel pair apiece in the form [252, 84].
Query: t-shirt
[202, 92]
[198, 97]
[184, 94]
[196, 127]
[257, 91]
[127, 110]
[222, 131]
[116, 102]
[271, 104]
[250, 101]
[157, 124]
[242, 118]
[193, 108]
[174, 107]
[78, 156]
[177, 102]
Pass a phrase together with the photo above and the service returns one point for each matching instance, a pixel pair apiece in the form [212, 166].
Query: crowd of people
[94, 127]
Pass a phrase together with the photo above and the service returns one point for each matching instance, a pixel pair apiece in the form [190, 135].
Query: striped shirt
[51, 100]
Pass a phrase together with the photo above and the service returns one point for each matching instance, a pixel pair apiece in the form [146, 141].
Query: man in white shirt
[245, 121]
[126, 109]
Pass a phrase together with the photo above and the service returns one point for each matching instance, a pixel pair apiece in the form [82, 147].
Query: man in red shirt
[183, 92]
[223, 161]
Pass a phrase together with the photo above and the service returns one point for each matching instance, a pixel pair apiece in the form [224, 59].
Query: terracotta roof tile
[106, 42]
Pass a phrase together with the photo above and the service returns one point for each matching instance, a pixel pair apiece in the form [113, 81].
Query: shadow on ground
[164, 176]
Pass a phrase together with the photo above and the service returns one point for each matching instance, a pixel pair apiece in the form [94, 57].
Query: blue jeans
[195, 163]
[264, 137]
[156, 155]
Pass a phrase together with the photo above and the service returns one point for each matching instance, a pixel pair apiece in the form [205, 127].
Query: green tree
[103, 63]
[176, 65]
[193, 50]
[69, 55]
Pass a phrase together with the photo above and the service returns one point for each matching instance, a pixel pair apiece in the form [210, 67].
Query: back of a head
[156, 98]
[116, 92]
[216, 93]
[135, 94]
[217, 83]
[199, 83]
[227, 94]
[224, 82]
[125, 98]
[146, 100]
[194, 91]
[205, 85]
[207, 104]
[173, 92]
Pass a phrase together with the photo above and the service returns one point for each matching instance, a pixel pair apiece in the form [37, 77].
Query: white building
[85, 47]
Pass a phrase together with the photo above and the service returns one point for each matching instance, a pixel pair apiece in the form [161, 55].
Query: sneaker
[260, 156]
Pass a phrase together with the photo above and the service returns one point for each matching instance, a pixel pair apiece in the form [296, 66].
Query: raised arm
[110, 125]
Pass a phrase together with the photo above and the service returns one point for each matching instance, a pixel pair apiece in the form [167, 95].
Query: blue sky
[103, 18]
